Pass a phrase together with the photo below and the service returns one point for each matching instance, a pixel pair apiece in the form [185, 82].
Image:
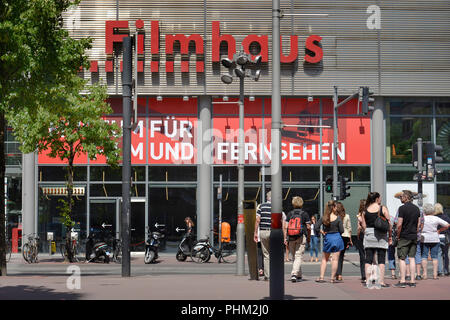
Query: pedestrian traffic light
[432, 155]
[367, 100]
[329, 184]
[343, 188]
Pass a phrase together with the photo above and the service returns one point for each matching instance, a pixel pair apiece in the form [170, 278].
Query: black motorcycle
[152, 246]
[185, 246]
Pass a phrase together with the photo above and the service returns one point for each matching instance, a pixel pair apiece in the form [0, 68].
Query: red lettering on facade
[184, 50]
[217, 40]
[293, 54]
[312, 46]
[263, 42]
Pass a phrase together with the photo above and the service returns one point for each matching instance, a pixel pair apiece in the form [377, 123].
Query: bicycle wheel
[26, 252]
[117, 258]
[200, 254]
[228, 253]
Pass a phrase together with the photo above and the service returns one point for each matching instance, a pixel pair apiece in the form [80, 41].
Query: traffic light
[329, 184]
[343, 188]
[367, 100]
[432, 156]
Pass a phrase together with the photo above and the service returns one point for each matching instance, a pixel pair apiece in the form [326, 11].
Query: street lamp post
[239, 66]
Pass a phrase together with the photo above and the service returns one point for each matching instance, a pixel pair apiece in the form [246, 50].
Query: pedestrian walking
[444, 239]
[376, 241]
[314, 243]
[263, 224]
[260, 257]
[430, 238]
[408, 225]
[297, 232]
[359, 240]
[346, 237]
[332, 242]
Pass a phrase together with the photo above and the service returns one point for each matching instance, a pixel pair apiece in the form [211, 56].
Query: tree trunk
[70, 254]
[2, 198]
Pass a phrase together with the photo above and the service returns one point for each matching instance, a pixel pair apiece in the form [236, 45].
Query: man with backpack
[297, 232]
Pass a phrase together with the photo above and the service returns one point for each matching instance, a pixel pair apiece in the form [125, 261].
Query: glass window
[52, 173]
[299, 174]
[105, 173]
[115, 190]
[445, 173]
[443, 137]
[402, 107]
[164, 208]
[173, 173]
[400, 173]
[443, 108]
[228, 173]
[402, 133]
[352, 173]
[443, 192]
[50, 219]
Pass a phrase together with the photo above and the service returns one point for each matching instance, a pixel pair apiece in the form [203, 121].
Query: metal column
[378, 149]
[28, 194]
[204, 158]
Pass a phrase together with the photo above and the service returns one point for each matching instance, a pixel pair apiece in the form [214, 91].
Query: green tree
[37, 58]
[73, 127]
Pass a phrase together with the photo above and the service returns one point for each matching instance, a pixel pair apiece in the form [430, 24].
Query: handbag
[381, 223]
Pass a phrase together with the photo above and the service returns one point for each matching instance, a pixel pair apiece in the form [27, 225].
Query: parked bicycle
[8, 250]
[31, 248]
[75, 249]
[202, 251]
[117, 251]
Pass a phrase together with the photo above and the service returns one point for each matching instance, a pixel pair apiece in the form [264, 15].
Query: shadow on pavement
[22, 292]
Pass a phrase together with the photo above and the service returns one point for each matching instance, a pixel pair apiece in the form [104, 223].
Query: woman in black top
[375, 241]
[332, 242]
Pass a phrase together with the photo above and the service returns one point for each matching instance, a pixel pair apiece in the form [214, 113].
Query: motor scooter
[185, 245]
[97, 251]
[152, 246]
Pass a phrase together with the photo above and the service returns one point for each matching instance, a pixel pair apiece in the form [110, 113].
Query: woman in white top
[430, 238]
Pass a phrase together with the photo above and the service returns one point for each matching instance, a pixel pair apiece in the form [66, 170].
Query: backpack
[295, 224]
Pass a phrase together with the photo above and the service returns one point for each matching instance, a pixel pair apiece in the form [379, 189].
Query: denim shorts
[433, 248]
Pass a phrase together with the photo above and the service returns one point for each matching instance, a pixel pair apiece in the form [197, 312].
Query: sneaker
[440, 274]
[418, 277]
[293, 278]
[400, 285]
[412, 285]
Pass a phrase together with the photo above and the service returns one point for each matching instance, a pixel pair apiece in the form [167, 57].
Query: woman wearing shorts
[332, 241]
[430, 238]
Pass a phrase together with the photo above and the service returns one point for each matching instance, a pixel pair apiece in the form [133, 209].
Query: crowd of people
[410, 238]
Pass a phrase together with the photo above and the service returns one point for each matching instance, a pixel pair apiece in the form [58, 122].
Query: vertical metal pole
[276, 233]
[240, 232]
[335, 145]
[419, 167]
[126, 166]
[378, 150]
[219, 196]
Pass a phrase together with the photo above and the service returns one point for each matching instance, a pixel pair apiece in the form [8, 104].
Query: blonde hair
[438, 208]
[297, 202]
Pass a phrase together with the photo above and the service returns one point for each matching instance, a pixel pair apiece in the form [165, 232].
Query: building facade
[187, 136]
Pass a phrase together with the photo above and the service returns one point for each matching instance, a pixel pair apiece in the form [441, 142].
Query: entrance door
[137, 224]
[103, 217]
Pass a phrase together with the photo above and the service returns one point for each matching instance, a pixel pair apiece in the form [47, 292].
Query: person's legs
[412, 262]
[297, 247]
[334, 265]
[370, 252]
[440, 260]
[382, 263]
[341, 258]
[434, 249]
[265, 241]
[362, 257]
[323, 265]
[402, 254]
[425, 251]
[445, 258]
[391, 261]
[260, 260]
[418, 260]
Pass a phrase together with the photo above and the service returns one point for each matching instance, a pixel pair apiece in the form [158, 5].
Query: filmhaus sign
[115, 31]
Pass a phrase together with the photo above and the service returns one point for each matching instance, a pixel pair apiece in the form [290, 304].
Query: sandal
[320, 280]
[394, 277]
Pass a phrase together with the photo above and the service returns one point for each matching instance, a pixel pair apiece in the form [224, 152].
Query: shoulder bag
[381, 223]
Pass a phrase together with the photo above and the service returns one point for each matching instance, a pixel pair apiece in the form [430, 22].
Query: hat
[412, 194]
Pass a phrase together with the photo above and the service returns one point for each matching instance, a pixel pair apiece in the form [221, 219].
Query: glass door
[104, 218]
